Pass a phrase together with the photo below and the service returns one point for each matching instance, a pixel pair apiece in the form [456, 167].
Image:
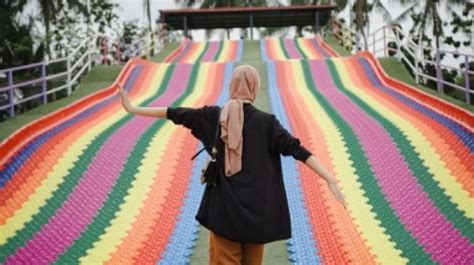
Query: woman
[248, 207]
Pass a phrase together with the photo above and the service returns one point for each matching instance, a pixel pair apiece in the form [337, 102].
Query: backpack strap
[216, 137]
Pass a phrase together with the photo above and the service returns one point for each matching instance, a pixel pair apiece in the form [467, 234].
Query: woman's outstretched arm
[157, 112]
[314, 164]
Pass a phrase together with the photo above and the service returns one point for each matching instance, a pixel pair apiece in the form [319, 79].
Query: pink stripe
[211, 51]
[291, 48]
[87, 198]
[314, 44]
[416, 211]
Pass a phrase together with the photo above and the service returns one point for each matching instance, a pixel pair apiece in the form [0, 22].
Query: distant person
[248, 206]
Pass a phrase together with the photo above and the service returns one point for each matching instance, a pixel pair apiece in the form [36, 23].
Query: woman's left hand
[337, 193]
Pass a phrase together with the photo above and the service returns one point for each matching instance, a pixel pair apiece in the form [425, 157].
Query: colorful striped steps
[304, 85]
[211, 51]
[93, 184]
[94, 212]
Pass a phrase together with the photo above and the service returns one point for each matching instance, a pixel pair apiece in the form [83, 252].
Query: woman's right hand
[124, 99]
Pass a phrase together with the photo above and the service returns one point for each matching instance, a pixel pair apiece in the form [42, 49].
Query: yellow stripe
[434, 163]
[308, 49]
[192, 58]
[60, 170]
[358, 208]
[277, 47]
[133, 203]
[224, 53]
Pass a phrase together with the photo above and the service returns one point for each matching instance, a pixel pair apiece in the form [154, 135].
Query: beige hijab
[244, 86]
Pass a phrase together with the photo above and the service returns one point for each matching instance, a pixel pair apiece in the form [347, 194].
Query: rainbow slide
[402, 158]
[209, 51]
[298, 48]
[91, 183]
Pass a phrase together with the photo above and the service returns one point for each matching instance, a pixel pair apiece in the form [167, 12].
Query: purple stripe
[412, 205]
[291, 48]
[315, 44]
[88, 196]
[211, 51]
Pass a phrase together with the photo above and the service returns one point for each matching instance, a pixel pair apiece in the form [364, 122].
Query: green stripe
[203, 52]
[219, 51]
[120, 190]
[283, 48]
[412, 158]
[300, 49]
[66, 187]
[403, 240]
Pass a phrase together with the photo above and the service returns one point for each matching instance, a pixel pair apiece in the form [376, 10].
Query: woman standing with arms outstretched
[248, 206]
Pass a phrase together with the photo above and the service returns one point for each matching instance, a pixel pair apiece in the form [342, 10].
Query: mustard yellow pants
[223, 251]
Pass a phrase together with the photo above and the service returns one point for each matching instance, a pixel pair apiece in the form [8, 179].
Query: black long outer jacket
[251, 205]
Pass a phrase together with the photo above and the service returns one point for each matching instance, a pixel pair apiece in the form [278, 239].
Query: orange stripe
[308, 47]
[135, 242]
[190, 54]
[338, 240]
[30, 177]
[172, 55]
[155, 243]
[154, 204]
[325, 46]
[232, 51]
[270, 47]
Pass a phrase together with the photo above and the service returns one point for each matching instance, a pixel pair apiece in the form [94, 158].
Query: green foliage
[16, 40]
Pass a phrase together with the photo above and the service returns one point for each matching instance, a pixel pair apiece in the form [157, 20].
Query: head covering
[244, 86]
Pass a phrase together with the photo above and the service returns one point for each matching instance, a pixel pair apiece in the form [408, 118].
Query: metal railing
[378, 44]
[78, 62]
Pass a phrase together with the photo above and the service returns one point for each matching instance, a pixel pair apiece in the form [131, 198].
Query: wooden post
[44, 82]
[69, 72]
[10, 94]
[467, 81]
[439, 76]
[373, 43]
[89, 53]
[185, 26]
[316, 22]
[399, 42]
[251, 25]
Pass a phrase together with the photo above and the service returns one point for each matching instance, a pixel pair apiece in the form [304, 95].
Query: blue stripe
[302, 247]
[19, 159]
[462, 133]
[183, 240]
[240, 50]
[263, 50]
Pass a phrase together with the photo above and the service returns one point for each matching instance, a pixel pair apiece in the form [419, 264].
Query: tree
[147, 9]
[16, 38]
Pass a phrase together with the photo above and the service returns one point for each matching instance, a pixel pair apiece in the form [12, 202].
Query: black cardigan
[250, 206]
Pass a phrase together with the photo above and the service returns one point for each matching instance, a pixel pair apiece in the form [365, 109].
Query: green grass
[165, 52]
[98, 78]
[336, 46]
[251, 51]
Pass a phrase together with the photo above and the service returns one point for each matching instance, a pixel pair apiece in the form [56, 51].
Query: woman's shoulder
[261, 115]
